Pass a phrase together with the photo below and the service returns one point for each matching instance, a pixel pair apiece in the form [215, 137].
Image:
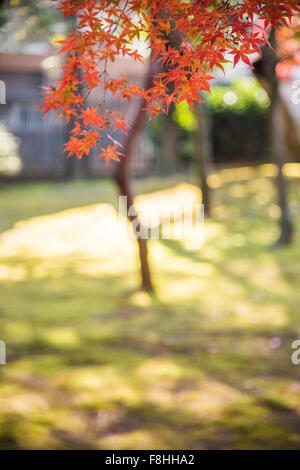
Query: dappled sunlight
[178, 258]
[97, 386]
[95, 239]
[12, 273]
[206, 398]
[242, 173]
[266, 274]
[267, 170]
[182, 290]
[238, 190]
[287, 389]
[167, 201]
[292, 170]
[61, 337]
[159, 369]
[141, 299]
[87, 231]
[203, 362]
[271, 314]
[138, 440]
[261, 185]
[23, 402]
[173, 386]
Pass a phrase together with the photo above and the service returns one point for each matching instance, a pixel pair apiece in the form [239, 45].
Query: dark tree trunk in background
[265, 72]
[123, 180]
[75, 169]
[279, 150]
[203, 154]
[169, 154]
[291, 129]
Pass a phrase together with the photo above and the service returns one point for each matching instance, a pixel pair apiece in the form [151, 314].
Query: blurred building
[42, 140]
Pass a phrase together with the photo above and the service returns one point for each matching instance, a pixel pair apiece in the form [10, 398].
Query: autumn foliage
[288, 40]
[188, 39]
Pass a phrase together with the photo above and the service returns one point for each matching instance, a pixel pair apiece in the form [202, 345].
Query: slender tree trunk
[203, 154]
[279, 150]
[291, 129]
[122, 173]
[169, 153]
[123, 180]
[266, 74]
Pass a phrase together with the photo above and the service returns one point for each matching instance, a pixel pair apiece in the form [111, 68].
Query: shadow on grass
[95, 363]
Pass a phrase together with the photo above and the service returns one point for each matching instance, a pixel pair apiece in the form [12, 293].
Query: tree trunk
[266, 74]
[203, 154]
[278, 153]
[168, 161]
[291, 130]
[76, 169]
[123, 180]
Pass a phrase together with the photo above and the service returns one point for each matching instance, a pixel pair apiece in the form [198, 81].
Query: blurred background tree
[26, 23]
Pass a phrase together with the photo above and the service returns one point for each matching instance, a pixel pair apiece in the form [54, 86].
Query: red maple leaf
[90, 116]
[110, 153]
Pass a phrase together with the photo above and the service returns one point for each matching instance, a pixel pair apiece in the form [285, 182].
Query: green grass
[92, 362]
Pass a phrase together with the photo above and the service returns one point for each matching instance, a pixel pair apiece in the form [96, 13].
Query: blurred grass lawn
[94, 363]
